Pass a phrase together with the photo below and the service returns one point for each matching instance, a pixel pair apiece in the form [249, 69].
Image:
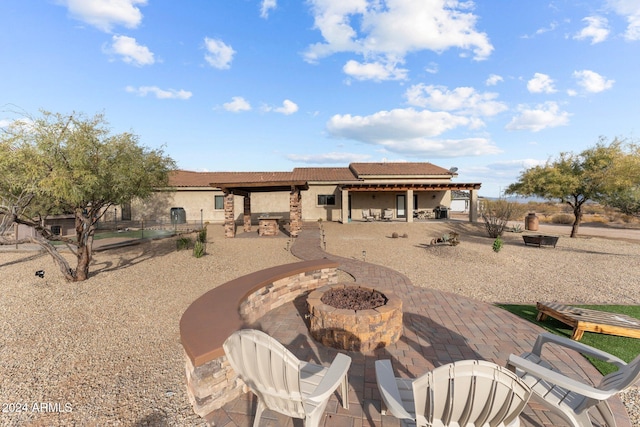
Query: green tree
[593, 174]
[623, 184]
[56, 164]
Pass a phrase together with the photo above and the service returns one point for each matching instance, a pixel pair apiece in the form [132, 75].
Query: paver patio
[439, 328]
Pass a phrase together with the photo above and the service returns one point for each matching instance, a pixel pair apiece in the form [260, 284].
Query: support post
[409, 198]
[247, 213]
[473, 206]
[229, 216]
[344, 207]
[295, 212]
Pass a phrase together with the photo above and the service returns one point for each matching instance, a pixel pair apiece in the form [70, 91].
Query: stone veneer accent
[268, 227]
[295, 212]
[229, 216]
[212, 384]
[247, 214]
[355, 330]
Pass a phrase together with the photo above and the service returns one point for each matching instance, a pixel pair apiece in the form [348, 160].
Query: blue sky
[486, 86]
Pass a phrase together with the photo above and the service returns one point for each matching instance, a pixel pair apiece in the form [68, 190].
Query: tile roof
[181, 178]
[401, 168]
[355, 172]
[323, 174]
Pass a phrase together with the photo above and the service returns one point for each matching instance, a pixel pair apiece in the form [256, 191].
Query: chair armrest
[559, 379]
[389, 389]
[331, 380]
[581, 348]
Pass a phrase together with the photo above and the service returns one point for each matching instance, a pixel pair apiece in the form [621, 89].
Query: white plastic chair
[569, 398]
[367, 215]
[281, 382]
[387, 215]
[464, 393]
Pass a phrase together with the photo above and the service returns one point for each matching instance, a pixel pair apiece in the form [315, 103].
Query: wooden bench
[210, 319]
[583, 319]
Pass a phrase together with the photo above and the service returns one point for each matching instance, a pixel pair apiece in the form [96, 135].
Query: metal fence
[149, 227]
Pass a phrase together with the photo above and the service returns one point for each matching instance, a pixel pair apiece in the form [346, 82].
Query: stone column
[295, 212]
[344, 207]
[247, 213]
[473, 206]
[229, 216]
[409, 197]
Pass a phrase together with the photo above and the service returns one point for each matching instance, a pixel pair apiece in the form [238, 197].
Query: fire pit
[354, 318]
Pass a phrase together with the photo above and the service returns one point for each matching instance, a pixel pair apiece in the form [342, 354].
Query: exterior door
[401, 203]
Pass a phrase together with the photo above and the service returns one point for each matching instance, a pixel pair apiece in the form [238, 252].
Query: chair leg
[607, 414]
[314, 419]
[345, 392]
[259, 410]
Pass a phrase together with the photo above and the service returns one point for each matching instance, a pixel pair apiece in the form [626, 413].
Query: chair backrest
[469, 393]
[365, 213]
[270, 370]
[622, 378]
[388, 213]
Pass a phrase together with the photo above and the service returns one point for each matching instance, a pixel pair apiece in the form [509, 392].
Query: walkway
[438, 328]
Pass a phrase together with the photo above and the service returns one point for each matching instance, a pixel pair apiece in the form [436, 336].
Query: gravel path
[107, 351]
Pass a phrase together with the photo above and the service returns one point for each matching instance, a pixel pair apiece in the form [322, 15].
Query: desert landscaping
[107, 350]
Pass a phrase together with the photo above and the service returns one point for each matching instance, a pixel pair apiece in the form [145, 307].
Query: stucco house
[361, 191]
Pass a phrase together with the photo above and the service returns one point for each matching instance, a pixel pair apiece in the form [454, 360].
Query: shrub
[394, 235]
[497, 213]
[183, 243]
[497, 244]
[198, 249]
[405, 235]
[562, 219]
[202, 236]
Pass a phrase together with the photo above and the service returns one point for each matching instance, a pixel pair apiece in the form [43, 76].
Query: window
[126, 211]
[56, 230]
[326, 199]
[219, 202]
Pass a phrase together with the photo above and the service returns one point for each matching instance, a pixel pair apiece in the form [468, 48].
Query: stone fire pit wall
[361, 330]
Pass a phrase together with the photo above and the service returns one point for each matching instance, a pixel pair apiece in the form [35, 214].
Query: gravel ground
[107, 351]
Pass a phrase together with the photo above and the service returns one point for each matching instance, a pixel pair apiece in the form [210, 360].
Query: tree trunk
[577, 213]
[84, 235]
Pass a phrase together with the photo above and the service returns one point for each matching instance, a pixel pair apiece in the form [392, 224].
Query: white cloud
[130, 51]
[630, 9]
[597, 29]
[464, 100]
[266, 6]
[540, 83]
[288, 107]
[386, 32]
[493, 80]
[375, 71]
[547, 115]
[329, 158]
[432, 68]
[592, 82]
[105, 14]
[237, 105]
[410, 132]
[159, 93]
[219, 55]
[515, 165]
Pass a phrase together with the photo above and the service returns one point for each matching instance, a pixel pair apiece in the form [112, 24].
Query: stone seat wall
[213, 317]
